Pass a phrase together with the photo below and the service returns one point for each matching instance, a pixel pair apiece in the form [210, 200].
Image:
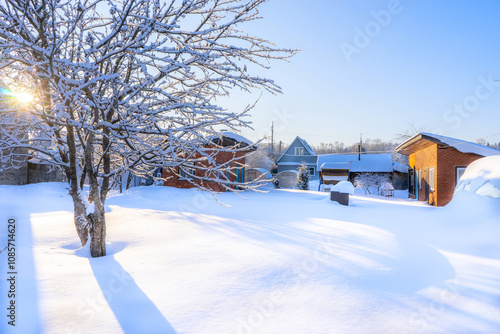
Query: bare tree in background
[409, 132]
[126, 86]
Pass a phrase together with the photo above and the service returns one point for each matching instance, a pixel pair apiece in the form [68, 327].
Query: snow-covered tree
[303, 177]
[126, 86]
[371, 182]
[259, 159]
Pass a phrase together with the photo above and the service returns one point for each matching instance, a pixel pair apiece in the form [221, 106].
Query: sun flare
[24, 97]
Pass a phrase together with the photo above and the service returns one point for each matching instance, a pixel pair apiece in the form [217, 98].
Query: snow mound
[344, 187]
[482, 177]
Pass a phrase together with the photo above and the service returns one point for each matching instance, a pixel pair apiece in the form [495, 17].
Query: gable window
[299, 151]
[432, 178]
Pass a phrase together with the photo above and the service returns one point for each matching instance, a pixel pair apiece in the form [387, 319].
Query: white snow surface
[482, 177]
[285, 261]
[344, 187]
[367, 162]
[464, 146]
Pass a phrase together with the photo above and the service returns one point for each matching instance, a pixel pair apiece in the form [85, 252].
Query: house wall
[221, 157]
[444, 159]
[420, 160]
[448, 159]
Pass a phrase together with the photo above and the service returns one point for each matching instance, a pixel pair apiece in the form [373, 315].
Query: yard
[286, 261]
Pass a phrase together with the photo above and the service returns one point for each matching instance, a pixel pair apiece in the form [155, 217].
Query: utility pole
[280, 148]
[272, 137]
[360, 145]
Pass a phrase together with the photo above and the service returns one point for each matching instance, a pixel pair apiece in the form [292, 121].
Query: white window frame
[420, 179]
[299, 151]
[432, 179]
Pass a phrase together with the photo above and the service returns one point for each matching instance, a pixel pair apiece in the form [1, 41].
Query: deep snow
[286, 261]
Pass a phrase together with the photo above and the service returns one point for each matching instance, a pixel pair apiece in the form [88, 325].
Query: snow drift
[482, 177]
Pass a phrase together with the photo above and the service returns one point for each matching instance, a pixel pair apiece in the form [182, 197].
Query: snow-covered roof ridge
[459, 144]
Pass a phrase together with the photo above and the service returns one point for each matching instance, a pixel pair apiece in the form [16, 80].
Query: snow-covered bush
[259, 159]
[303, 177]
[371, 182]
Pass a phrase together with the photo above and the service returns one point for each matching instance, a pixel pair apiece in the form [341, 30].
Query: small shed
[436, 164]
[400, 176]
[332, 173]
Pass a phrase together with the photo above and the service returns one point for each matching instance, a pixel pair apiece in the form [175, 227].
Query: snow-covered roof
[306, 145]
[237, 138]
[375, 163]
[335, 165]
[296, 163]
[419, 141]
[398, 167]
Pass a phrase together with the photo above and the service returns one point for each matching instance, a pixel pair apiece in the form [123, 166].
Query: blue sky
[430, 63]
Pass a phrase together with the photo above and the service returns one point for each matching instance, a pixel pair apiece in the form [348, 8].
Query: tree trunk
[81, 222]
[97, 233]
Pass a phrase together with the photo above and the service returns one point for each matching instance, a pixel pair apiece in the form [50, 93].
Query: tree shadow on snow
[134, 310]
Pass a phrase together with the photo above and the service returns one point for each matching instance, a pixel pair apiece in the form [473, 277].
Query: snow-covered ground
[286, 261]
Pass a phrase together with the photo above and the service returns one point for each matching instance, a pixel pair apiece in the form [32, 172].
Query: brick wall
[173, 180]
[444, 160]
[448, 159]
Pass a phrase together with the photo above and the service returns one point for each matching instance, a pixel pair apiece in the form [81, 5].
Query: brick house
[182, 177]
[437, 163]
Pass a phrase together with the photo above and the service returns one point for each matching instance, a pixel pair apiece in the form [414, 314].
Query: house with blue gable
[297, 153]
